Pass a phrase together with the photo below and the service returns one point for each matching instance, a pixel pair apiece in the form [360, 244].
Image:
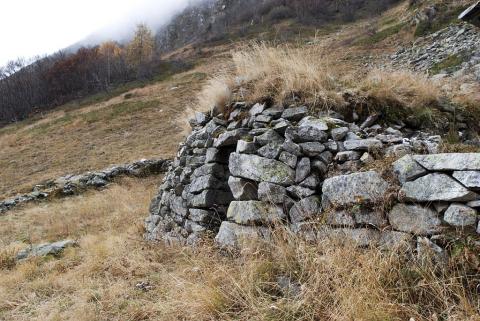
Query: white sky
[36, 27]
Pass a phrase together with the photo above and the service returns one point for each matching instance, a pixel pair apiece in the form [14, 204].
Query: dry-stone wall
[73, 184]
[316, 174]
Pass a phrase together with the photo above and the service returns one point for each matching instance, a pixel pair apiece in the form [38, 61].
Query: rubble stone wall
[237, 175]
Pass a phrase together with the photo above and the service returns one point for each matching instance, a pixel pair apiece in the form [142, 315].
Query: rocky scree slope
[239, 174]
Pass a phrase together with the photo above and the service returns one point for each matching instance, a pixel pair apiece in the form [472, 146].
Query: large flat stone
[470, 179]
[450, 162]
[230, 138]
[363, 144]
[254, 213]
[261, 169]
[346, 190]
[313, 122]
[436, 187]
[295, 114]
[414, 219]
[234, 235]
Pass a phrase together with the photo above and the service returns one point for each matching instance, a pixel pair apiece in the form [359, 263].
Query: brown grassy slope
[149, 125]
[97, 281]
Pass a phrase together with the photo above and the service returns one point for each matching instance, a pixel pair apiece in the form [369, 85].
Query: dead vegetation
[115, 275]
[313, 76]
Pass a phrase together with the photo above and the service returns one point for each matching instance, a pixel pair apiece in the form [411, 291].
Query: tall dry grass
[323, 281]
[316, 77]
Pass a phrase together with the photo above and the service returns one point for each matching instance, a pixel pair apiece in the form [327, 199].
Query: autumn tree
[112, 55]
[141, 49]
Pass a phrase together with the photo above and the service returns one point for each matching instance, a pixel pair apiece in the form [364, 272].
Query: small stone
[305, 134]
[313, 122]
[372, 119]
[295, 114]
[274, 112]
[407, 169]
[209, 169]
[271, 150]
[326, 157]
[242, 189]
[312, 149]
[202, 216]
[289, 159]
[292, 148]
[342, 157]
[300, 192]
[339, 218]
[474, 204]
[268, 137]
[244, 147]
[209, 198]
[371, 218]
[256, 109]
[307, 208]
[340, 133]
[263, 119]
[460, 215]
[363, 144]
[273, 193]
[303, 169]
[202, 183]
[281, 126]
[469, 179]
[311, 182]
[230, 138]
[367, 158]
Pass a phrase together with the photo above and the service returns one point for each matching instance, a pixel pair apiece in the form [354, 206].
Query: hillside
[352, 217]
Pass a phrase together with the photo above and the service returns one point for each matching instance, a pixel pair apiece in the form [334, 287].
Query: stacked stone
[74, 184]
[274, 165]
[193, 197]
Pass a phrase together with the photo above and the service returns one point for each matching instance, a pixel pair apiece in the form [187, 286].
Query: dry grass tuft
[283, 73]
[408, 89]
[314, 77]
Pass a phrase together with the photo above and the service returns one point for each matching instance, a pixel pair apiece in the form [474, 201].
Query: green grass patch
[447, 64]
[382, 34]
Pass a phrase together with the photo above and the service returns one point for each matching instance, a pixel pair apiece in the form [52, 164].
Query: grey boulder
[436, 187]
[261, 169]
[254, 213]
[460, 215]
[450, 161]
[347, 190]
[414, 219]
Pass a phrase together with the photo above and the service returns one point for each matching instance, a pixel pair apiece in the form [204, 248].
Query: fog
[154, 13]
[34, 27]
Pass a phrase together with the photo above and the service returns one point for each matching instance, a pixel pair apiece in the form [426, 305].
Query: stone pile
[73, 184]
[461, 40]
[238, 175]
